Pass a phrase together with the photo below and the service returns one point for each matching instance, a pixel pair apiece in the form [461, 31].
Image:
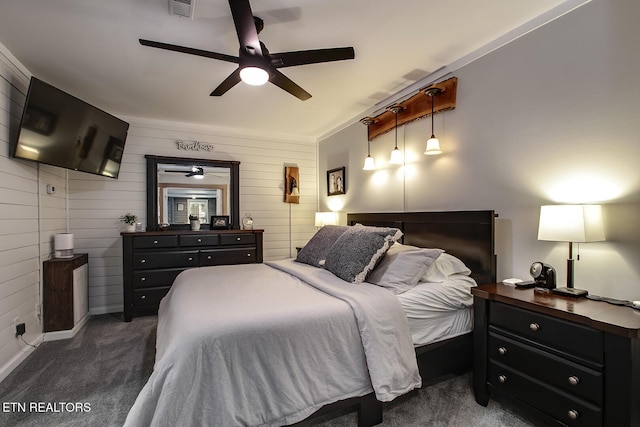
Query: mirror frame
[152, 188]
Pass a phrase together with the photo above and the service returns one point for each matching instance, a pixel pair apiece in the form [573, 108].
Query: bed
[272, 344]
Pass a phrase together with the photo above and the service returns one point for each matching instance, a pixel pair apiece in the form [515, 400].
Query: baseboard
[106, 309]
[15, 361]
[68, 333]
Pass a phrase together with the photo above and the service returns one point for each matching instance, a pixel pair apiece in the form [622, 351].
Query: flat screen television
[61, 130]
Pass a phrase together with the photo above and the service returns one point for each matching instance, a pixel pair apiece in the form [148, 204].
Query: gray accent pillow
[358, 250]
[402, 267]
[315, 252]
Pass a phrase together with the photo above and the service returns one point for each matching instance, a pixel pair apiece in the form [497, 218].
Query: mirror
[179, 187]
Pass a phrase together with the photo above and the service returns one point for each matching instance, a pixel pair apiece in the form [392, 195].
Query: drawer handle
[573, 414]
[534, 327]
[142, 279]
[143, 297]
[573, 380]
[249, 254]
[238, 239]
[502, 351]
[209, 257]
[190, 259]
[502, 379]
[199, 240]
[155, 242]
[142, 261]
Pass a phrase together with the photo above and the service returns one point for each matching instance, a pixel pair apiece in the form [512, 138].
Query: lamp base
[571, 292]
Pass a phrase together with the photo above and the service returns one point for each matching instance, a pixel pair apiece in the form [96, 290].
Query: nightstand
[569, 361]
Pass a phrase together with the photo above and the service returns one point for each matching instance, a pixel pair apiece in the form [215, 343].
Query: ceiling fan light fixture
[254, 76]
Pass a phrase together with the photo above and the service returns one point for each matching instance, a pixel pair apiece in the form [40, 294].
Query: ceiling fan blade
[303, 57]
[284, 82]
[228, 83]
[245, 26]
[190, 51]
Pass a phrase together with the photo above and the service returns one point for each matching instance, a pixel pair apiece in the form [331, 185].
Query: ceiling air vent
[182, 7]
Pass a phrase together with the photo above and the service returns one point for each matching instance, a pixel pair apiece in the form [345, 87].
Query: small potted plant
[129, 221]
[195, 222]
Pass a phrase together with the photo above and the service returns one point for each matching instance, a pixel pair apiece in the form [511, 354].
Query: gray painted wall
[550, 118]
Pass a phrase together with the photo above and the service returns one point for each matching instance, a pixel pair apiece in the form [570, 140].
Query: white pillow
[402, 267]
[443, 267]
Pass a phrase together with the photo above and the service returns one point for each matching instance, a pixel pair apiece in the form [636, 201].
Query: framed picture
[219, 222]
[336, 183]
[180, 207]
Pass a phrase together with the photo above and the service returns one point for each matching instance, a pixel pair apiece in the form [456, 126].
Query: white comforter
[256, 345]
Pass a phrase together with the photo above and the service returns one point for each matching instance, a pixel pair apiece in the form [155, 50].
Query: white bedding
[439, 310]
[256, 345]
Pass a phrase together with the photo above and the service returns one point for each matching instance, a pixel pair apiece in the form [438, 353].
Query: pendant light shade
[396, 154]
[369, 162]
[433, 144]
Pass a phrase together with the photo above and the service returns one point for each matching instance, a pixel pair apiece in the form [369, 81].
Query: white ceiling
[90, 49]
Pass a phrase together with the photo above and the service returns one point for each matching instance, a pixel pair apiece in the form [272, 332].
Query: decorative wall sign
[336, 183]
[291, 184]
[194, 146]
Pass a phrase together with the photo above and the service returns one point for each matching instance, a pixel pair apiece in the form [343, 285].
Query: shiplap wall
[96, 203]
[90, 206]
[28, 221]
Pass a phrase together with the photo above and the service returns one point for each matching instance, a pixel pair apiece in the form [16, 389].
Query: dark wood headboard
[467, 235]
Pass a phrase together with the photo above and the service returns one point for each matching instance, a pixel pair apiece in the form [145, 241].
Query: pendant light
[396, 154]
[369, 163]
[433, 144]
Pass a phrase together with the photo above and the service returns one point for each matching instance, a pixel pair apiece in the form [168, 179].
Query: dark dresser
[152, 260]
[570, 362]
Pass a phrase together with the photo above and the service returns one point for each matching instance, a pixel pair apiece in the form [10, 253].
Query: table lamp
[326, 218]
[572, 224]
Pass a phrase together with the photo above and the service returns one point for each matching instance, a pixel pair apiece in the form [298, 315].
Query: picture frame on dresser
[219, 222]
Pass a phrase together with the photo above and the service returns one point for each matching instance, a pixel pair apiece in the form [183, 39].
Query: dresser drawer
[238, 239]
[558, 372]
[142, 242]
[154, 260]
[227, 256]
[155, 278]
[152, 296]
[549, 400]
[199, 240]
[577, 340]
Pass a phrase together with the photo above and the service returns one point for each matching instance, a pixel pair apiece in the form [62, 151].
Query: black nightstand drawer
[141, 242]
[238, 239]
[560, 406]
[555, 371]
[153, 260]
[142, 297]
[199, 240]
[227, 256]
[577, 340]
[155, 278]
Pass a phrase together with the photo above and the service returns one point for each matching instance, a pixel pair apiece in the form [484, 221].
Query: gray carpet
[107, 363]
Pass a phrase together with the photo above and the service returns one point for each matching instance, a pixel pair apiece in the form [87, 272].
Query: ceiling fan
[256, 64]
[195, 171]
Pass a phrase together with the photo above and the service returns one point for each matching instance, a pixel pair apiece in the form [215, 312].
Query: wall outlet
[21, 328]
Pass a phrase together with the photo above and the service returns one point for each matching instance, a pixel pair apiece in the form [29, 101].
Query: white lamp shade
[369, 164]
[63, 241]
[571, 223]
[295, 191]
[396, 157]
[254, 76]
[326, 218]
[433, 147]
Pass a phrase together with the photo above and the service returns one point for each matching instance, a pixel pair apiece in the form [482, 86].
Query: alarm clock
[544, 276]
